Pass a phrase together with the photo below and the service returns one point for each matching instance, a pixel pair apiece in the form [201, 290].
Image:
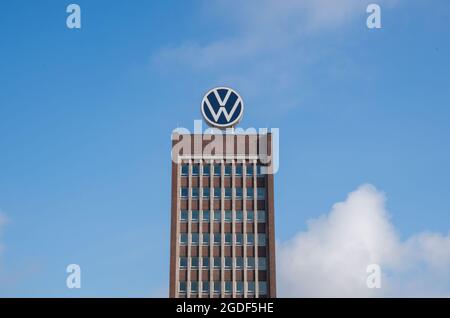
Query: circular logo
[222, 107]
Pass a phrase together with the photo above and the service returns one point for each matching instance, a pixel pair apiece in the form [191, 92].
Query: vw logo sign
[222, 107]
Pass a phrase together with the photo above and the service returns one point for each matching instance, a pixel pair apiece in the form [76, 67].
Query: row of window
[228, 192]
[227, 262]
[228, 216]
[228, 285]
[228, 170]
[227, 237]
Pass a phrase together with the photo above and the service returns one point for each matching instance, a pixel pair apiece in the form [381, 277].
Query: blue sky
[86, 117]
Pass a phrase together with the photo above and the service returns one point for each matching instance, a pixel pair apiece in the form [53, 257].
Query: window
[239, 262]
[217, 238]
[194, 287]
[250, 262]
[250, 239]
[228, 262]
[262, 263]
[206, 170]
[261, 216]
[259, 171]
[217, 171]
[249, 170]
[183, 239]
[249, 193]
[228, 193]
[261, 193]
[183, 262]
[205, 238]
[205, 262]
[217, 216]
[250, 216]
[206, 192]
[251, 287]
[194, 216]
[182, 287]
[217, 287]
[262, 288]
[206, 216]
[217, 262]
[183, 215]
[194, 237]
[185, 170]
[184, 193]
[238, 170]
[205, 287]
[239, 192]
[228, 238]
[228, 215]
[239, 287]
[194, 262]
[195, 192]
[239, 215]
[239, 239]
[228, 170]
[195, 170]
[217, 192]
[228, 287]
[261, 239]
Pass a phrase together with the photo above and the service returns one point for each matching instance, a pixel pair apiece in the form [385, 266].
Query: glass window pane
[183, 287]
[217, 193]
[184, 215]
[217, 287]
[205, 287]
[250, 216]
[206, 192]
[228, 193]
[217, 171]
[194, 216]
[228, 287]
[183, 238]
[250, 262]
[194, 262]
[262, 239]
[251, 287]
[205, 239]
[184, 170]
[184, 192]
[217, 262]
[262, 263]
[239, 262]
[195, 170]
[261, 216]
[206, 216]
[228, 238]
[250, 170]
[262, 288]
[250, 239]
[205, 262]
[217, 238]
[194, 287]
[228, 262]
[183, 262]
[217, 216]
[239, 192]
[239, 239]
[250, 193]
[261, 192]
[228, 170]
[239, 287]
[195, 192]
[194, 238]
[228, 215]
[206, 170]
[239, 216]
[239, 170]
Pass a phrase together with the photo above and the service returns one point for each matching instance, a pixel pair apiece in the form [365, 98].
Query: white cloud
[331, 257]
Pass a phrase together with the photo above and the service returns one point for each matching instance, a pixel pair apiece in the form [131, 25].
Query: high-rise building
[222, 219]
